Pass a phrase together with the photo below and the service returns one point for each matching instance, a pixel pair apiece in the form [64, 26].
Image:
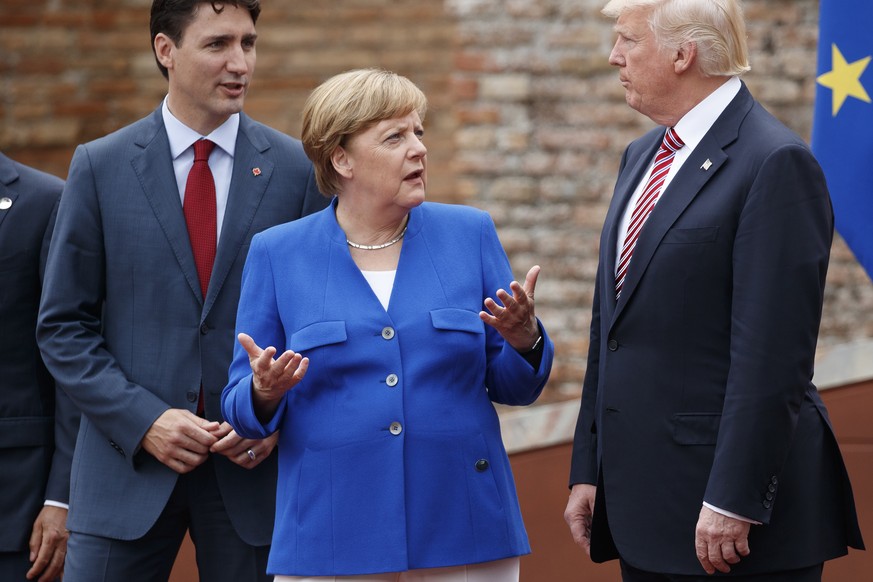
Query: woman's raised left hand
[515, 319]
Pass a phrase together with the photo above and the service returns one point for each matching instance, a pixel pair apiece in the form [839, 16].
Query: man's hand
[48, 544]
[580, 509]
[720, 540]
[180, 439]
[246, 453]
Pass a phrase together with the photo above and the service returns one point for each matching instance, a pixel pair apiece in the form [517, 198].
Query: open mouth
[416, 175]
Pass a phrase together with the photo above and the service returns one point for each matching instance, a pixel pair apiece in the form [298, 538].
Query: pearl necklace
[378, 247]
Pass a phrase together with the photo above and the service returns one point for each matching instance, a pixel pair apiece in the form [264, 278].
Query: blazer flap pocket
[454, 319]
[26, 431]
[318, 334]
[688, 236]
[696, 428]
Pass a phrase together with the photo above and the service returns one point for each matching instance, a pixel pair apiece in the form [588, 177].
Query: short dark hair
[172, 17]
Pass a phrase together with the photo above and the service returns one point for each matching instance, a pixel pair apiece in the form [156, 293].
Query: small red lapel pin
[256, 171]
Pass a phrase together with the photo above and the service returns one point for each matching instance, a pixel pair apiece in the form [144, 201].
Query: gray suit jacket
[125, 330]
[35, 455]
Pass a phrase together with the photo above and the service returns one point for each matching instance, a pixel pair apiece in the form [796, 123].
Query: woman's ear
[341, 162]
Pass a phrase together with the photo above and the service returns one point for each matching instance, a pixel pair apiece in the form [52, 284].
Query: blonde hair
[347, 104]
[717, 28]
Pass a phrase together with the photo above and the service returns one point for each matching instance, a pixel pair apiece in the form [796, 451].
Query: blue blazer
[125, 329]
[698, 386]
[390, 454]
[37, 422]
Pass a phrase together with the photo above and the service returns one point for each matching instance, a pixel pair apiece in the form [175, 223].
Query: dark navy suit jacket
[699, 379]
[124, 326]
[35, 453]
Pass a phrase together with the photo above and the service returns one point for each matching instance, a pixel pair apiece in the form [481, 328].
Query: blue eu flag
[842, 132]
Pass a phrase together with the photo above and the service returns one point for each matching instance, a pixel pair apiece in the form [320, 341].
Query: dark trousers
[14, 566]
[811, 574]
[196, 506]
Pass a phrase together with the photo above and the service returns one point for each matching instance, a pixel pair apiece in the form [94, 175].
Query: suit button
[771, 488]
[191, 396]
[774, 480]
[768, 504]
[5, 203]
[204, 329]
[387, 333]
[612, 345]
[392, 380]
[396, 428]
[769, 496]
[482, 465]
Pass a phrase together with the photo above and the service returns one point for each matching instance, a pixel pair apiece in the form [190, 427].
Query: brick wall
[527, 120]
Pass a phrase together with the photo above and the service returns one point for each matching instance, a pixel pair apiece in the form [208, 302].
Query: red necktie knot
[202, 149]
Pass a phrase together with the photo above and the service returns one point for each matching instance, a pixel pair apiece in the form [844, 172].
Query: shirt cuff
[57, 504]
[730, 514]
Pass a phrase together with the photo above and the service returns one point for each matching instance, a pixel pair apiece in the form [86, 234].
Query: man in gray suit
[138, 313]
[35, 451]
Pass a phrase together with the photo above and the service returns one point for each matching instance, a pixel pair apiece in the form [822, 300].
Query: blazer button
[387, 333]
[204, 329]
[768, 504]
[396, 428]
[769, 496]
[191, 396]
[771, 488]
[392, 380]
[612, 345]
[482, 465]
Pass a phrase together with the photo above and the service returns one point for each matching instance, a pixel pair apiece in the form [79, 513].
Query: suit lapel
[252, 172]
[153, 166]
[8, 174]
[704, 162]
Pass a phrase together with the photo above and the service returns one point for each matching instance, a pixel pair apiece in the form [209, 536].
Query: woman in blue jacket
[392, 352]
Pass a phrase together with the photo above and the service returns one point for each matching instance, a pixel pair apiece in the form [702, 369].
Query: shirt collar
[182, 137]
[694, 124]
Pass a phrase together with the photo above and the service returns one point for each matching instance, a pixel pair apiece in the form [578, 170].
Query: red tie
[646, 203]
[199, 210]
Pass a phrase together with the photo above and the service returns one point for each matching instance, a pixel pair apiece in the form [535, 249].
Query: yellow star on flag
[844, 79]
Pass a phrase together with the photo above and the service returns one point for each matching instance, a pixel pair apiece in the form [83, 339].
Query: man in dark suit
[35, 450]
[137, 318]
[702, 444]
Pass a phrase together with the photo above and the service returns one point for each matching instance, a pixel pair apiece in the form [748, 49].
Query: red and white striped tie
[646, 203]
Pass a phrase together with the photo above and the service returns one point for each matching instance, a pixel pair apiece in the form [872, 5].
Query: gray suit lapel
[154, 169]
[252, 172]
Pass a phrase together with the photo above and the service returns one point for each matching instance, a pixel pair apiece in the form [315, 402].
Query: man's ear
[164, 50]
[685, 57]
[341, 162]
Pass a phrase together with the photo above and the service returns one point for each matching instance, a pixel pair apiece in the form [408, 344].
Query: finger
[703, 555]
[530, 281]
[493, 307]
[729, 552]
[230, 444]
[297, 370]
[715, 557]
[42, 560]
[35, 540]
[249, 345]
[56, 566]
[742, 546]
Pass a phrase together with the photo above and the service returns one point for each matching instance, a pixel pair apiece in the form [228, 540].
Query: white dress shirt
[182, 140]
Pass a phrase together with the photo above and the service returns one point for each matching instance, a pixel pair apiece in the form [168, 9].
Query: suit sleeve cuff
[730, 514]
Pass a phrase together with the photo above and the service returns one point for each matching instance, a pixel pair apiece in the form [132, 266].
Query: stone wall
[527, 119]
